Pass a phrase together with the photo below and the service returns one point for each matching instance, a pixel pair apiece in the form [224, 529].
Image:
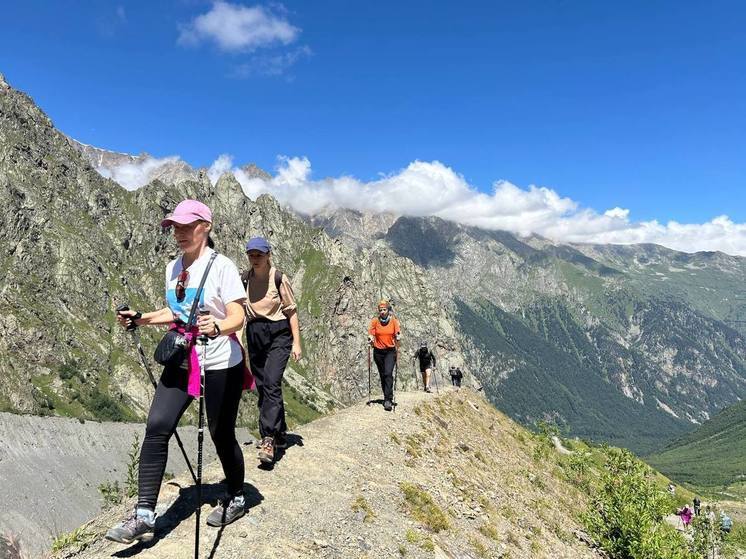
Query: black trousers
[456, 381]
[385, 360]
[223, 389]
[269, 344]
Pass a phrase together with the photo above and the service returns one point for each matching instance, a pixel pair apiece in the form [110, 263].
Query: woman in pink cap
[226, 374]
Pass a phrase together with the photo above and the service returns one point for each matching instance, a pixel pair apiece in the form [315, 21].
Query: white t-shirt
[223, 286]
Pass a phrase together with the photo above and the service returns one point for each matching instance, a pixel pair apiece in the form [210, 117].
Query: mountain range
[634, 345]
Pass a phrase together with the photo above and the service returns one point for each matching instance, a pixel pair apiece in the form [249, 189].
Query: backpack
[278, 280]
[726, 523]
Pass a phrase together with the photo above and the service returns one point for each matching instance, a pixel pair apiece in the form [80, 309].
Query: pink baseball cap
[188, 211]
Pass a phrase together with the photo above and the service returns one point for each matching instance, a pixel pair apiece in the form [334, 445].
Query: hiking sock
[146, 514]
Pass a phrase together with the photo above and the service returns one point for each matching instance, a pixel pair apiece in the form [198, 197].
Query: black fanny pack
[174, 346]
[172, 349]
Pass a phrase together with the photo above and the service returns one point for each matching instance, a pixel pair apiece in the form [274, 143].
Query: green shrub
[706, 536]
[734, 544]
[627, 513]
[79, 538]
[110, 492]
[104, 407]
[133, 467]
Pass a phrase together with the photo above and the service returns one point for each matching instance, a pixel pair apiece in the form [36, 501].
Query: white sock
[239, 499]
[146, 514]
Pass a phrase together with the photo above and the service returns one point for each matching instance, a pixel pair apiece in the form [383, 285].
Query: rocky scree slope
[61, 463]
[443, 476]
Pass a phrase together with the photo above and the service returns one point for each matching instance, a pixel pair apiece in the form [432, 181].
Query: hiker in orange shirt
[383, 334]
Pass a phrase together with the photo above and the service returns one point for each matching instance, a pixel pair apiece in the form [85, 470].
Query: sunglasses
[181, 285]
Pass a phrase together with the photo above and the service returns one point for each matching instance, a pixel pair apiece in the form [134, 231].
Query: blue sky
[633, 104]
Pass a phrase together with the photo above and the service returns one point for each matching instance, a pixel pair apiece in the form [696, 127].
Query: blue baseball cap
[258, 243]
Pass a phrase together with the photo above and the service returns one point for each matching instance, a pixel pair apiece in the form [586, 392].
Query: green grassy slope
[712, 455]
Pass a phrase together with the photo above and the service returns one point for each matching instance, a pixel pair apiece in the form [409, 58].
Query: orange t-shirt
[384, 337]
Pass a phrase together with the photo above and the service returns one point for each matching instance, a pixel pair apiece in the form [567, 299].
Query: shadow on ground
[185, 506]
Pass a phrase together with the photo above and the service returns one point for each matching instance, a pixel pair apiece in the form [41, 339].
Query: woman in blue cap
[272, 335]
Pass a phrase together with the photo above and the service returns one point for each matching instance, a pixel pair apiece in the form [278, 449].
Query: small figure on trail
[384, 333]
[710, 514]
[456, 376]
[671, 489]
[685, 514]
[726, 523]
[198, 277]
[272, 336]
[697, 506]
[427, 362]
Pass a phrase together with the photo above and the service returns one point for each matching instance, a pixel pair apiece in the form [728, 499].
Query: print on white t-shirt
[223, 286]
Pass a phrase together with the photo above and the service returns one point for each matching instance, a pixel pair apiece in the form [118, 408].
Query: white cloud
[239, 28]
[137, 173]
[432, 188]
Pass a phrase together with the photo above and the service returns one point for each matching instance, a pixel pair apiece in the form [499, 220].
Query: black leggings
[269, 344]
[385, 360]
[222, 394]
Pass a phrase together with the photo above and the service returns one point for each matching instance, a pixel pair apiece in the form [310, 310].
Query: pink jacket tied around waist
[193, 363]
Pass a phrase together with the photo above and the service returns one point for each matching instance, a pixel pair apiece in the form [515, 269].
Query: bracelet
[217, 332]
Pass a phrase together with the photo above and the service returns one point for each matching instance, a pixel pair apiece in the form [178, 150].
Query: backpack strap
[278, 282]
[246, 274]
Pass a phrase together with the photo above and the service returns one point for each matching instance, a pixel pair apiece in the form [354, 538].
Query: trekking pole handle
[124, 307]
[203, 312]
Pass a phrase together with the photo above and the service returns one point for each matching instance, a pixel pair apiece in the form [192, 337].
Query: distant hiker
[671, 489]
[427, 362]
[226, 374]
[726, 523]
[697, 506]
[272, 336]
[456, 376]
[685, 514]
[384, 333]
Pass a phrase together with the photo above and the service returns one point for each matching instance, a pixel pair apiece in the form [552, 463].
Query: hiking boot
[135, 527]
[387, 405]
[281, 440]
[228, 510]
[427, 389]
[267, 450]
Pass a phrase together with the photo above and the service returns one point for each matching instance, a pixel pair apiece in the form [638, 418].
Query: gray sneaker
[134, 528]
[229, 510]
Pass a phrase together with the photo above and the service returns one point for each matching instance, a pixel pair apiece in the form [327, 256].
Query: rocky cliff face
[144, 168]
[74, 245]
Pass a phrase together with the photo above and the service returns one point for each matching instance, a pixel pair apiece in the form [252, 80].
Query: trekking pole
[396, 371]
[414, 372]
[368, 402]
[201, 341]
[435, 376]
[136, 338]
